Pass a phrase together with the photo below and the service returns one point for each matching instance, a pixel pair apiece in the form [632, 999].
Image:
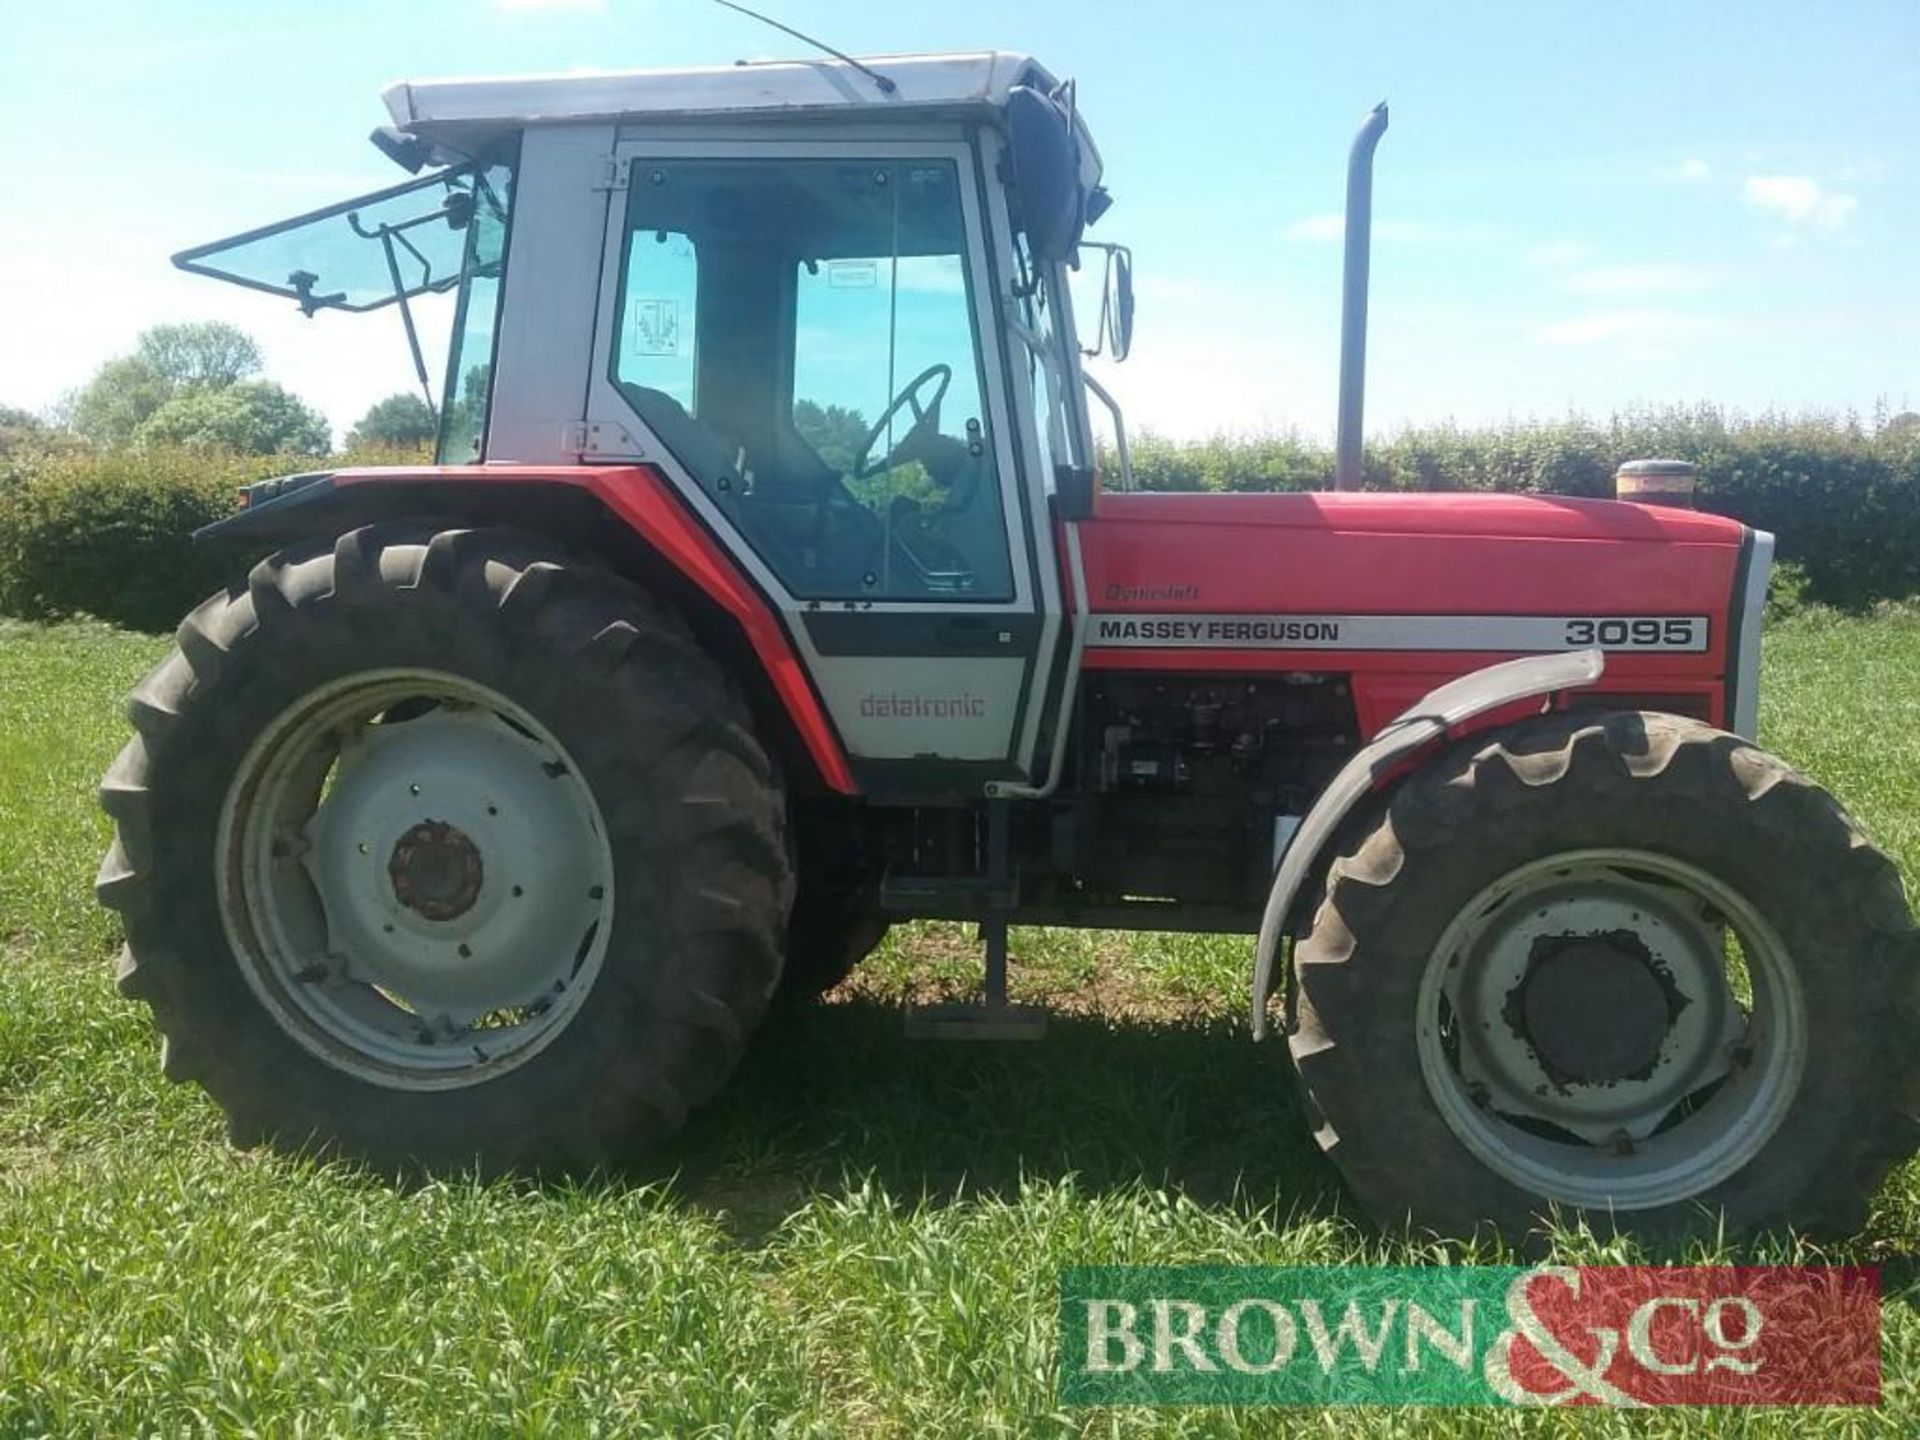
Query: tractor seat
[818, 537]
[703, 453]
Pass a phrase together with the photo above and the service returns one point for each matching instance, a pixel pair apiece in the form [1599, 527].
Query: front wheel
[1627, 968]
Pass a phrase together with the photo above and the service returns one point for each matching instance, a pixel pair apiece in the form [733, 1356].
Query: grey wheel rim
[415, 879]
[1612, 1029]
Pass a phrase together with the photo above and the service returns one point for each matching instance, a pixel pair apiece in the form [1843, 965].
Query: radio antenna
[886, 86]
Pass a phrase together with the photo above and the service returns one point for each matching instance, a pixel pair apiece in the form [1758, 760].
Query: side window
[1044, 355]
[800, 334]
[469, 380]
[660, 317]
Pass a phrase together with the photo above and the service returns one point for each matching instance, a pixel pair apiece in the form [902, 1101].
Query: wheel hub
[396, 856]
[1580, 1030]
[421, 885]
[1593, 1007]
[436, 871]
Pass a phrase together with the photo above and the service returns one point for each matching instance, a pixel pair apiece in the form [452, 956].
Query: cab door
[802, 336]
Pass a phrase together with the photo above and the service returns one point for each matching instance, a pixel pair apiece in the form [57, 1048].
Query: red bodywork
[642, 498]
[1339, 553]
[1323, 553]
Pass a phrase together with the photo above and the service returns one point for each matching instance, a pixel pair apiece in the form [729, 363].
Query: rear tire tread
[534, 596]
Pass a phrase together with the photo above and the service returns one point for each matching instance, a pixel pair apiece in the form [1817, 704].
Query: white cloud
[1800, 199]
[1318, 227]
[1557, 254]
[1625, 282]
[1695, 169]
[1601, 326]
[531, 5]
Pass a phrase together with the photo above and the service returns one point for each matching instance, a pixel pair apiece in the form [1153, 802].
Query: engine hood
[1544, 517]
[1398, 593]
[1357, 553]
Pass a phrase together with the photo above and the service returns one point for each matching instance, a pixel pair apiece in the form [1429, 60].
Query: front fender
[1436, 713]
[626, 515]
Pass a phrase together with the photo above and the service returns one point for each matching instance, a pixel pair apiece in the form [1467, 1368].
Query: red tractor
[768, 592]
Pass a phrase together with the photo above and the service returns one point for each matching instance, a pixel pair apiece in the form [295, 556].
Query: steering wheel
[926, 414]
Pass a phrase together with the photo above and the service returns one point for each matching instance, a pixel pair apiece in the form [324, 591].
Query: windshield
[366, 252]
[444, 232]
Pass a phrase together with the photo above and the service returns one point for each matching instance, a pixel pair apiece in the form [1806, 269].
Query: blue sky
[1579, 206]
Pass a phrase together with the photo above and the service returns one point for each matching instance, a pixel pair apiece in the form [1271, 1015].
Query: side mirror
[1114, 333]
[1046, 173]
[1116, 307]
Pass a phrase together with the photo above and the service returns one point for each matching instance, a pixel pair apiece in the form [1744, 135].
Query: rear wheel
[1627, 967]
[444, 848]
[831, 932]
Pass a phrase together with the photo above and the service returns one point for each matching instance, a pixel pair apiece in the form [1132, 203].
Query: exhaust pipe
[1353, 299]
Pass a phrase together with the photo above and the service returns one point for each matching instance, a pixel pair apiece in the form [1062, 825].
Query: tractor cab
[828, 301]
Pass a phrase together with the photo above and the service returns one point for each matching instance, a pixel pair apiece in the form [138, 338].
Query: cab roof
[925, 85]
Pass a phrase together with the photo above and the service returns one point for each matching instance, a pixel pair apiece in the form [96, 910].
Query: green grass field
[861, 1238]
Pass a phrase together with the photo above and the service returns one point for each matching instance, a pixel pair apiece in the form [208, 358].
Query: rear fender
[1441, 710]
[623, 515]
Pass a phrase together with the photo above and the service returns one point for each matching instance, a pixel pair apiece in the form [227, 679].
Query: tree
[20, 430]
[466, 416]
[206, 352]
[167, 361]
[117, 401]
[834, 431]
[23, 435]
[402, 422]
[255, 417]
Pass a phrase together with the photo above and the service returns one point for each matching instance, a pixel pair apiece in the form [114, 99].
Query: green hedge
[106, 532]
[109, 532]
[1843, 498]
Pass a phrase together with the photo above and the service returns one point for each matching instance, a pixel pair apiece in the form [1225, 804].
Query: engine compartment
[1188, 783]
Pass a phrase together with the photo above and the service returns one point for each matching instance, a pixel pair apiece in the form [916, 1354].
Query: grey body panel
[904, 707]
[468, 113]
[547, 312]
[1429, 719]
[1745, 661]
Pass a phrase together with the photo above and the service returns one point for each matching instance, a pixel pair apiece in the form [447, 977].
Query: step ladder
[993, 1017]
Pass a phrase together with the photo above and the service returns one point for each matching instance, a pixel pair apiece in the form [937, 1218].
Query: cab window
[800, 334]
